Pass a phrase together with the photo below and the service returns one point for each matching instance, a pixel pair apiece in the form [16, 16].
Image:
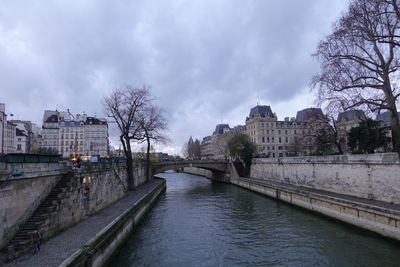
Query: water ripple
[201, 223]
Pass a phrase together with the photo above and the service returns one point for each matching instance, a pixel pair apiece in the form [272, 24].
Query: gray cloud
[203, 59]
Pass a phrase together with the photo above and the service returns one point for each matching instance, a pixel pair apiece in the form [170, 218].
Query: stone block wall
[198, 171]
[19, 198]
[379, 181]
[21, 195]
[103, 186]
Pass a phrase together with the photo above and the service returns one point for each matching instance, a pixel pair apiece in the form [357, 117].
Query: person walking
[37, 238]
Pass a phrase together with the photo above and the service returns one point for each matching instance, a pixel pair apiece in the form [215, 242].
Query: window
[19, 146]
[280, 140]
[287, 140]
[294, 131]
[263, 140]
[285, 131]
[19, 139]
[279, 131]
[62, 136]
[62, 142]
[267, 139]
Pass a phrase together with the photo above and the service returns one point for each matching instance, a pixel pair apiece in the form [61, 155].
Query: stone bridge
[221, 170]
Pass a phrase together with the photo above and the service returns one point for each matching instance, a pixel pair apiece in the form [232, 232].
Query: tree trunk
[394, 117]
[395, 127]
[129, 164]
[148, 159]
[339, 147]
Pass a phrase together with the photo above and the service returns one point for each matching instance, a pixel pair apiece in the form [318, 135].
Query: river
[198, 222]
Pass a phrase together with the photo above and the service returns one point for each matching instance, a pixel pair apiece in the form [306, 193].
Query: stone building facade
[96, 137]
[3, 126]
[276, 138]
[78, 135]
[21, 141]
[345, 122]
[9, 138]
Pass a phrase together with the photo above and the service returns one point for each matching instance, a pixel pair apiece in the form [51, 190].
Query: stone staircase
[22, 242]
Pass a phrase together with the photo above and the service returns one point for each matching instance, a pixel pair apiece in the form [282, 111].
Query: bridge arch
[219, 169]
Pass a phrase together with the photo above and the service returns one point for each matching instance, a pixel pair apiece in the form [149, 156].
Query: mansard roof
[309, 114]
[351, 115]
[53, 118]
[262, 111]
[70, 123]
[385, 117]
[219, 129]
[93, 120]
[20, 132]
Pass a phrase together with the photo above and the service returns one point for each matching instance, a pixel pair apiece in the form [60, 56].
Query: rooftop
[219, 129]
[351, 115]
[262, 111]
[385, 117]
[309, 114]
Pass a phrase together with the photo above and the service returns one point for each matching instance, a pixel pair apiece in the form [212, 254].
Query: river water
[198, 222]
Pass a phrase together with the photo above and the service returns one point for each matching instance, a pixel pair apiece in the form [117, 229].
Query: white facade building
[9, 139]
[77, 135]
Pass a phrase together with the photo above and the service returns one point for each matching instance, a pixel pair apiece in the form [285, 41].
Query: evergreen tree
[367, 137]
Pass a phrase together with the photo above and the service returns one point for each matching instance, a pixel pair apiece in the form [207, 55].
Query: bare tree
[125, 106]
[326, 132]
[360, 61]
[153, 126]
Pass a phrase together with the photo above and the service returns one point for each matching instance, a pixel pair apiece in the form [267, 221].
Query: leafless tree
[125, 106]
[360, 61]
[153, 126]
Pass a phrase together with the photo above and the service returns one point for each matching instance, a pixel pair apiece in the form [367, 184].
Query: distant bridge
[221, 169]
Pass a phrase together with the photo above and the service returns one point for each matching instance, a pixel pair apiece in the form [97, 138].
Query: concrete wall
[99, 250]
[381, 221]
[374, 176]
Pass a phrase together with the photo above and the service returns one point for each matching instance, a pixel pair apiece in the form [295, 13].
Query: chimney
[292, 119]
[286, 118]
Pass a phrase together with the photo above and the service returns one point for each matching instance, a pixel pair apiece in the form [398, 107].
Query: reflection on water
[201, 223]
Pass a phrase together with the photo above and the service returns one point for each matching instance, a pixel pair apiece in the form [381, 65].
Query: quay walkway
[58, 248]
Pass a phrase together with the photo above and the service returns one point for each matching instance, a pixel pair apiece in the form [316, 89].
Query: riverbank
[93, 240]
[376, 216]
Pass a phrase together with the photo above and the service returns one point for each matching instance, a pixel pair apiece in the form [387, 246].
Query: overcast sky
[205, 60]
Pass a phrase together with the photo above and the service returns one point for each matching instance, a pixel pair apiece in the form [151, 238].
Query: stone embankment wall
[88, 191]
[198, 171]
[98, 250]
[374, 176]
[370, 217]
[21, 195]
